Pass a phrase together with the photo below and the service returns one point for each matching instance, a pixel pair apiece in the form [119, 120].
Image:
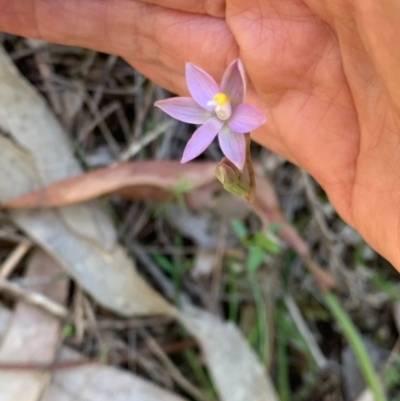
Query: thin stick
[57, 365]
[305, 331]
[176, 374]
[34, 298]
[14, 258]
[135, 147]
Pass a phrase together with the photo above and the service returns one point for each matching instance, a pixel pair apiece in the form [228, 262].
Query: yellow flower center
[222, 105]
[221, 98]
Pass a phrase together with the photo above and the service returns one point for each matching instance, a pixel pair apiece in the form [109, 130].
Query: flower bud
[232, 178]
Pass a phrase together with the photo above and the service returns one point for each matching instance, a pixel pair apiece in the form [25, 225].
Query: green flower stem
[354, 339]
[250, 172]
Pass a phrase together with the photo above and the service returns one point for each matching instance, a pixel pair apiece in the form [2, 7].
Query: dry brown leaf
[132, 180]
[32, 337]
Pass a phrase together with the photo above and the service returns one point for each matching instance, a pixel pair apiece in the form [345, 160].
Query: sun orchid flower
[220, 111]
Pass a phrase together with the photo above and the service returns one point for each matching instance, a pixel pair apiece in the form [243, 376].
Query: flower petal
[184, 109]
[233, 146]
[246, 118]
[234, 82]
[201, 86]
[201, 139]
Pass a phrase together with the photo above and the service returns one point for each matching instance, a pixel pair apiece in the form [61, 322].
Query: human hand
[325, 72]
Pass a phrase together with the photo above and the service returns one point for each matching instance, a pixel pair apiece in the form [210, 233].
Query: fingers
[162, 45]
[379, 26]
[74, 22]
[18, 17]
[214, 8]
[371, 60]
[157, 40]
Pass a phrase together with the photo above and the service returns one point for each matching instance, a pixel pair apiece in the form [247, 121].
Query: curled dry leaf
[134, 180]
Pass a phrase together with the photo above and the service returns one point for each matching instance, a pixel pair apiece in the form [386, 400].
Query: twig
[142, 103]
[43, 61]
[12, 236]
[136, 323]
[14, 258]
[135, 147]
[218, 267]
[104, 129]
[298, 319]
[78, 315]
[109, 65]
[99, 118]
[156, 273]
[34, 298]
[315, 205]
[175, 373]
[57, 365]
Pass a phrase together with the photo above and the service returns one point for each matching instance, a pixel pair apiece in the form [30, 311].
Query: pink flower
[220, 111]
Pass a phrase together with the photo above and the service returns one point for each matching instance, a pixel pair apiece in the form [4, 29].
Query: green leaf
[67, 330]
[269, 244]
[239, 229]
[255, 257]
[163, 262]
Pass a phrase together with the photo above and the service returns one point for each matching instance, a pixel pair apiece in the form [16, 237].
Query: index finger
[214, 8]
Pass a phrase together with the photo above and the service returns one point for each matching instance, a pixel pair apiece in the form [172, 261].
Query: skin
[325, 73]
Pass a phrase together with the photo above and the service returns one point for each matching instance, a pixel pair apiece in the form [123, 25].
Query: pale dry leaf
[366, 395]
[34, 152]
[33, 336]
[96, 382]
[204, 262]
[5, 318]
[236, 370]
[93, 382]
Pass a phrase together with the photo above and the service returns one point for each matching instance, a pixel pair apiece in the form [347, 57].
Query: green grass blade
[354, 339]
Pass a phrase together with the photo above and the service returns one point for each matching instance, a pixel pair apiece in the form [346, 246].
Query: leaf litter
[83, 239]
[93, 259]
